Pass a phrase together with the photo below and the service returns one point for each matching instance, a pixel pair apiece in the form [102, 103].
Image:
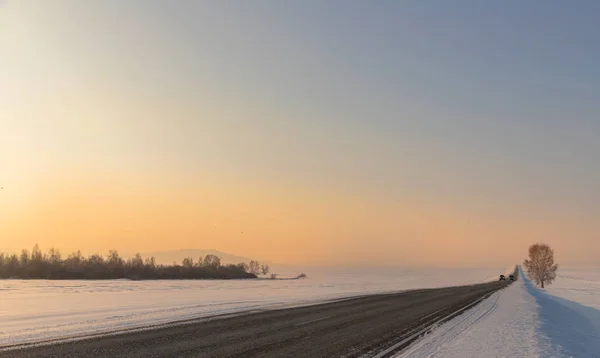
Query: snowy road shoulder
[519, 321]
[571, 328]
[504, 325]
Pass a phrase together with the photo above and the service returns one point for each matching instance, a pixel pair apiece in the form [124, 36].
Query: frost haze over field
[41, 310]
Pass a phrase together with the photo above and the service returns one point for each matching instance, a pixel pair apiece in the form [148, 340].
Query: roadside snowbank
[572, 328]
[504, 325]
[521, 321]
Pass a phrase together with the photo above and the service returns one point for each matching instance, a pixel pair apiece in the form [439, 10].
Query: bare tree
[150, 262]
[96, 259]
[254, 267]
[114, 259]
[212, 261]
[200, 262]
[243, 266]
[24, 259]
[136, 262]
[54, 256]
[540, 266]
[13, 264]
[36, 254]
[264, 269]
[188, 262]
[75, 259]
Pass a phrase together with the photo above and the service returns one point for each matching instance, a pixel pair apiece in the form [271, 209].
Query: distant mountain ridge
[168, 257]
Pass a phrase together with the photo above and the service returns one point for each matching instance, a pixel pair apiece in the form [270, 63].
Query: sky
[396, 133]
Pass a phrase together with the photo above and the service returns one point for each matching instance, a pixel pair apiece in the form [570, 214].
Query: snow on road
[41, 310]
[522, 321]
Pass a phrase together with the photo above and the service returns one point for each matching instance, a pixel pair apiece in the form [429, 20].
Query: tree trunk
[542, 284]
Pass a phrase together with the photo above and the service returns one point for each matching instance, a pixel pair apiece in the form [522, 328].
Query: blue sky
[504, 93]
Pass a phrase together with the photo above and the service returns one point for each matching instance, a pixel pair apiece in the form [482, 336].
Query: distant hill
[167, 257]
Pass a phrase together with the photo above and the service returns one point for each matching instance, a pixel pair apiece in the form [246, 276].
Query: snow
[37, 310]
[578, 284]
[504, 325]
[570, 311]
[524, 321]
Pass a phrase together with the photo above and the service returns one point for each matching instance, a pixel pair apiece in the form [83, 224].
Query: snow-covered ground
[570, 311]
[525, 321]
[42, 310]
[579, 284]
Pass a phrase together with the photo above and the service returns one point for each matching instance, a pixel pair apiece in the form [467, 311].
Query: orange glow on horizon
[285, 225]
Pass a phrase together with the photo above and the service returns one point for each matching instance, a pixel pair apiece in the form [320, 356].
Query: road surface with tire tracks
[355, 327]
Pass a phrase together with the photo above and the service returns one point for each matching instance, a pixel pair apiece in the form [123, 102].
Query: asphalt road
[355, 327]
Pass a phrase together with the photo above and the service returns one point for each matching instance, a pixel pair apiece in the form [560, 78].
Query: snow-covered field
[579, 284]
[42, 310]
[525, 321]
[520, 321]
[570, 311]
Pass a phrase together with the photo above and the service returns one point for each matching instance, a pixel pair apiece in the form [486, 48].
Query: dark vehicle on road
[502, 278]
[511, 277]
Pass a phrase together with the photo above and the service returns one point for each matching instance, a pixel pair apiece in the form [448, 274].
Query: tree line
[52, 266]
